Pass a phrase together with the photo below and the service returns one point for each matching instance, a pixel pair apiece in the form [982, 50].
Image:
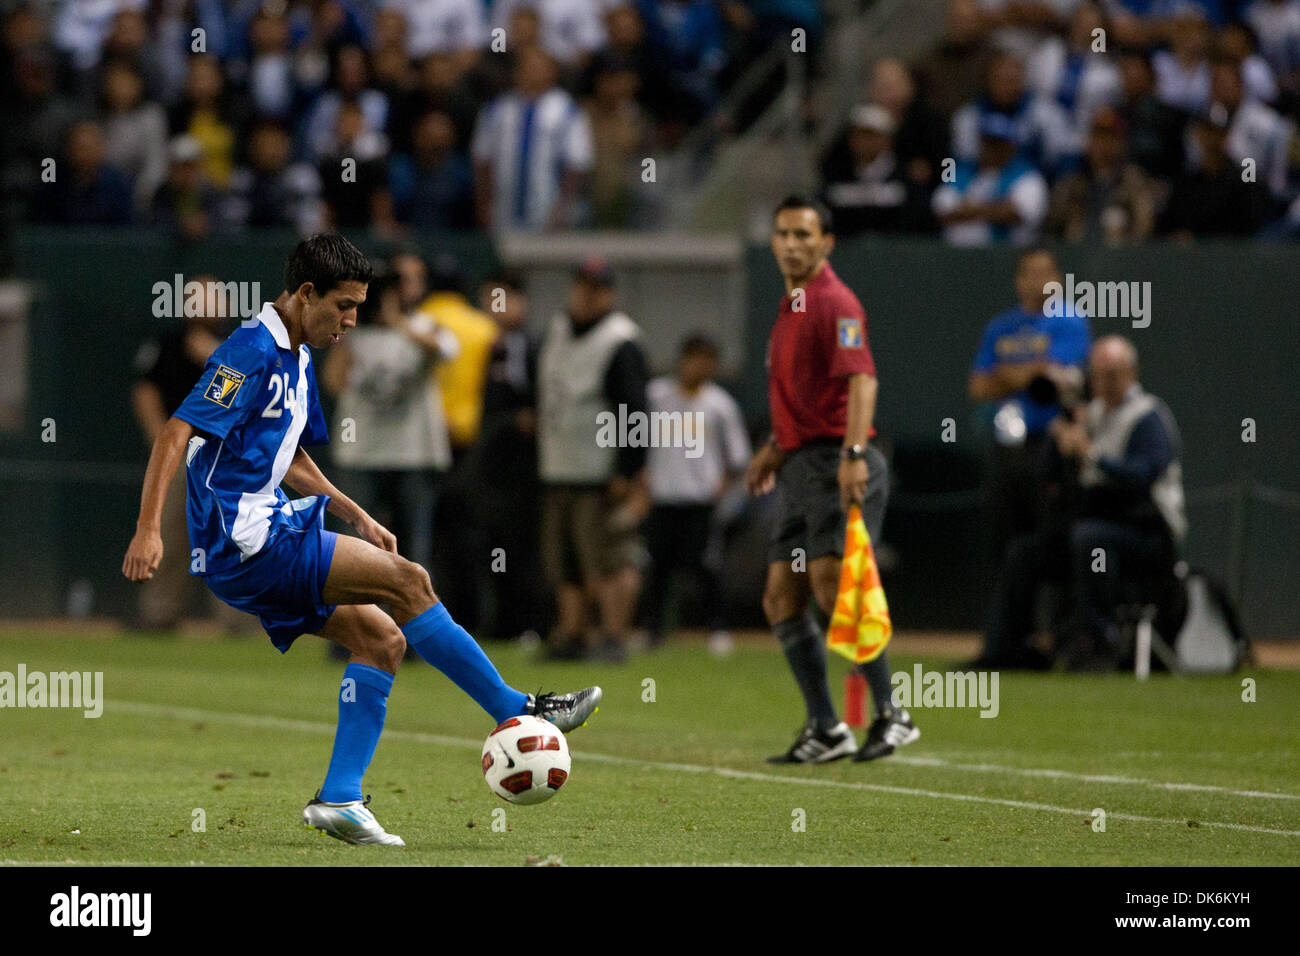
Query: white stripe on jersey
[253, 521]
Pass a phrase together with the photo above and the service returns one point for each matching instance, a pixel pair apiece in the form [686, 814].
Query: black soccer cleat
[818, 746]
[566, 711]
[886, 734]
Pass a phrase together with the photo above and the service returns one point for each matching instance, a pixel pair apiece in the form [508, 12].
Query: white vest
[1110, 432]
[571, 381]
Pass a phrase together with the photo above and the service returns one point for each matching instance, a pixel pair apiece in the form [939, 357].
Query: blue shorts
[283, 583]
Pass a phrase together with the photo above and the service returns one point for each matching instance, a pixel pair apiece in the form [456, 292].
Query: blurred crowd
[466, 429]
[217, 115]
[1082, 120]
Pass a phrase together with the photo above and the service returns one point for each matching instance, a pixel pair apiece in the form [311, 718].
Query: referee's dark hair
[325, 260]
[795, 201]
[1035, 251]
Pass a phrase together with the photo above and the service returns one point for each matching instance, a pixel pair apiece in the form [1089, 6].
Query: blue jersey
[254, 404]
[1017, 336]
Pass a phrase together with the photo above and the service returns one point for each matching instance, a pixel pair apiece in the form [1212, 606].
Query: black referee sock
[803, 649]
[877, 674]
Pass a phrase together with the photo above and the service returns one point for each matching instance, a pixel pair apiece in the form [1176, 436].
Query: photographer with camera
[1126, 447]
[1030, 366]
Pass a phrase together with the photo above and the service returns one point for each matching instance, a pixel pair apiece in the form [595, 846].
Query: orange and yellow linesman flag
[860, 627]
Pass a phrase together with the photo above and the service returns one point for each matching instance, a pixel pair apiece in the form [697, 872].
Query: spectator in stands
[1210, 198]
[999, 198]
[1077, 72]
[571, 31]
[595, 490]
[87, 190]
[1017, 26]
[1183, 71]
[187, 202]
[36, 119]
[1039, 129]
[1127, 449]
[351, 84]
[1237, 43]
[172, 45]
[354, 174]
[270, 84]
[1276, 26]
[688, 34]
[1143, 24]
[508, 505]
[1256, 132]
[456, 27]
[620, 133]
[135, 132]
[687, 481]
[82, 26]
[532, 152]
[391, 66]
[1109, 199]
[440, 84]
[1155, 129]
[627, 40]
[920, 136]
[867, 190]
[271, 190]
[211, 113]
[960, 62]
[432, 186]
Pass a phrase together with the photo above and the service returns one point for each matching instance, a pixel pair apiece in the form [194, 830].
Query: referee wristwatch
[854, 453]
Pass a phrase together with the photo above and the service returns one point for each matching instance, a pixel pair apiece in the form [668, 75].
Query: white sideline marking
[1090, 777]
[308, 726]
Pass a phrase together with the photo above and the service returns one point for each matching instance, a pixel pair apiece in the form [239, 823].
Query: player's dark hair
[795, 201]
[325, 260]
[699, 344]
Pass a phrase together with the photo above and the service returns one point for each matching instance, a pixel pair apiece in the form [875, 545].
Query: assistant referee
[822, 392]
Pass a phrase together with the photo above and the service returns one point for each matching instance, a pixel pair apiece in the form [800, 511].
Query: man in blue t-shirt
[242, 431]
[1030, 358]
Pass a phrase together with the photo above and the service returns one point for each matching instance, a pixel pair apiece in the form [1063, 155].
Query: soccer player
[822, 392]
[241, 433]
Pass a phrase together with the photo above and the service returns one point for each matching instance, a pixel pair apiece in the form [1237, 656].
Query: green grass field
[1186, 772]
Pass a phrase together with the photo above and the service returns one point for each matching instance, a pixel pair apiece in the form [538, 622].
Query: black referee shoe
[819, 746]
[886, 734]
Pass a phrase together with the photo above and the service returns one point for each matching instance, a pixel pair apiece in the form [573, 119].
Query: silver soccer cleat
[350, 822]
[566, 711]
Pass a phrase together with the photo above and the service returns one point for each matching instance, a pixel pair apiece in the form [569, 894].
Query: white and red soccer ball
[525, 760]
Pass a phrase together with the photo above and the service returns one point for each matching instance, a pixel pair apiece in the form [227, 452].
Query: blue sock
[363, 702]
[447, 646]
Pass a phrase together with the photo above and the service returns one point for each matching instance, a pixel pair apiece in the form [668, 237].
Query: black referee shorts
[808, 513]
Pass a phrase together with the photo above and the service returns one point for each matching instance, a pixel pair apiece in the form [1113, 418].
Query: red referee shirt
[809, 358]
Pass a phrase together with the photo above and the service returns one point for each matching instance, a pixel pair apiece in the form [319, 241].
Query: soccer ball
[525, 760]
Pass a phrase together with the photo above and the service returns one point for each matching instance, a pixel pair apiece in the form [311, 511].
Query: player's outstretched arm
[146, 548]
[306, 478]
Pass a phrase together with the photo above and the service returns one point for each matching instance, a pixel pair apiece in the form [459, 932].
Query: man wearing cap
[592, 371]
[868, 191]
[997, 199]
